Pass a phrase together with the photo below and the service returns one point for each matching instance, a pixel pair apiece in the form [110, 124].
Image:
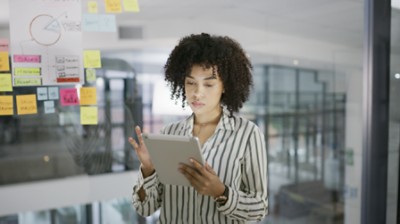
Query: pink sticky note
[69, 96]
[4, 44]
[27, 58]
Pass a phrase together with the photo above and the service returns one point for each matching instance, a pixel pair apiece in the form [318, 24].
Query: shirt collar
[225, 123]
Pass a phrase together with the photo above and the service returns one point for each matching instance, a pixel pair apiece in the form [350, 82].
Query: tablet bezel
[167, 151]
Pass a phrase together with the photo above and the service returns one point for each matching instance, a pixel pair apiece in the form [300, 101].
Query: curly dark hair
[221, 53]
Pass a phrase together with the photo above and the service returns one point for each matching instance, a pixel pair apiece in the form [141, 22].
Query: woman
[213, 76]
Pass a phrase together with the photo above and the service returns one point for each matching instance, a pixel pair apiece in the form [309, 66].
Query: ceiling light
[46, 158]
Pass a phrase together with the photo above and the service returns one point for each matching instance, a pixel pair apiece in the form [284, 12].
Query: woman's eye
[209, 85]
[189, 83]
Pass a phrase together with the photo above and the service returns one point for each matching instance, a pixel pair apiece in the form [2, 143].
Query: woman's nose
[198, 90]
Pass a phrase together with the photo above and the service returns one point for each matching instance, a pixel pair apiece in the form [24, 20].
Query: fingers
[210, 169]
[133, 143]
[196, 171]
[190, 173]
[139, 135]
[203, 170]
[202, 178]
[138, 131]
[200, 168]
[188, 170]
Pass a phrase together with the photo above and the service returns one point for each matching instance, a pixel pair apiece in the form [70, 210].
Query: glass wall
[307, 99]
[47, 146]
[303, 122]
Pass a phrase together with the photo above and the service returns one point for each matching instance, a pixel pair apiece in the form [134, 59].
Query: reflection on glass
[48, 146]
[303, 122]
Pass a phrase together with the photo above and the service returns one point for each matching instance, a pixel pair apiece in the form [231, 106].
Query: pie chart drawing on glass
[45, 30]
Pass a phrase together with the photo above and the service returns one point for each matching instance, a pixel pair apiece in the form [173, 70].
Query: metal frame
[377, 16]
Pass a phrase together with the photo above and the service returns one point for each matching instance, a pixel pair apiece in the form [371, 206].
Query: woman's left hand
[202, 178]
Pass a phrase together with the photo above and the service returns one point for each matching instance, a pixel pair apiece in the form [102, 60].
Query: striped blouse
[237, 153]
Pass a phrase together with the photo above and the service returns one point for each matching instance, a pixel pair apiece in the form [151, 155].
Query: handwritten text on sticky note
[89, 115]
[4, 62]
[53, 93]
[92, 7]
[88, 96]
[131, 5]
[27, 71]
[69, 96]
[92, 59]
[4, 43]
[90, 75]
[26, 104]
[5, 83]
[49, 107]
[6, 105]
[99, 23]
[21, 58]
[113, 6]
[41, 93]
[27, 81]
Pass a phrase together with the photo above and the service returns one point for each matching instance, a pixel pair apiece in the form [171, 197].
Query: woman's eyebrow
[208, 78]
[211, 77]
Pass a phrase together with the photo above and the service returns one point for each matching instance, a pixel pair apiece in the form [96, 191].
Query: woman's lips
[197, 104]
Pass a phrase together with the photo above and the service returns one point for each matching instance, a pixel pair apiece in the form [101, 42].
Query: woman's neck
[208, 119]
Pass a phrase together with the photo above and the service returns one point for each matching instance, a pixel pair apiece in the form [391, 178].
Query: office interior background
[307, 98]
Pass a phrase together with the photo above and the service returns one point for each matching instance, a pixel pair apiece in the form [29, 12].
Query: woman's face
[203, 91]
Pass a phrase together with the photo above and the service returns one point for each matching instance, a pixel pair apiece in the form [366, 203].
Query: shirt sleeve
[153, 189]
[250, 202]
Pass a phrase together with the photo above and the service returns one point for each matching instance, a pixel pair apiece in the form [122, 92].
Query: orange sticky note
[4, 62]
[89, 115]
[26, 104]
[6, 105]
[92, 7]
[92, 59]
[5, 83]
[131, 5]
[88, 96]
[113, 6]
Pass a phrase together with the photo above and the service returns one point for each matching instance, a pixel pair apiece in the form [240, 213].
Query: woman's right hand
[142, 153]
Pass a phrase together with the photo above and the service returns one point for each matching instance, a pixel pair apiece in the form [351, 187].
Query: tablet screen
[167, 151]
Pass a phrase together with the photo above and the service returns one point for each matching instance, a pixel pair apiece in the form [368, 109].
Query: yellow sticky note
[5, 83]
[27, 82]
[88, 96]
[90, 74]
[6, 105]
[27, 71]
[92, 59]
[4, 62]
[89, 115]
[92, 7]
[131, 5]
[26, 104]
[113, 6]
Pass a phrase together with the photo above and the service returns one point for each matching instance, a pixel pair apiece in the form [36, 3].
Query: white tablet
[167, 151]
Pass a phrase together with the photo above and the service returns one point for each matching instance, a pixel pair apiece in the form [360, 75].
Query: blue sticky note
[41, 93]
[49, 107]
[99, 23]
